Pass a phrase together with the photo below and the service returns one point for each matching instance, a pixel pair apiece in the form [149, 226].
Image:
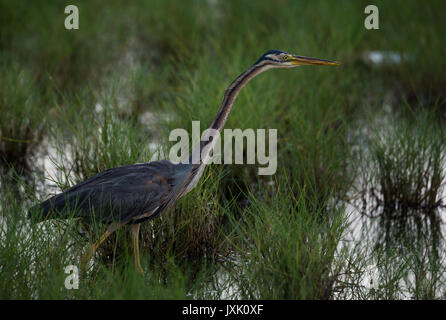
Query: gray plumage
[119, 194]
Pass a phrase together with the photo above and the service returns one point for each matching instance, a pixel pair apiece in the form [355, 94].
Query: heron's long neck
[231, 94]
[226, 106]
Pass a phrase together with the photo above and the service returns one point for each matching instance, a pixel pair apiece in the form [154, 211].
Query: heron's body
[129, 195]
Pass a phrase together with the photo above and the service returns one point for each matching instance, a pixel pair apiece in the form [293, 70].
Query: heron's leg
[86, 257]
[135, 236]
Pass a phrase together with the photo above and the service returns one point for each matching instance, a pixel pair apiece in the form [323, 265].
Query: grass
[407, 180]
[291, 246]
[21, 123]
[106, 94]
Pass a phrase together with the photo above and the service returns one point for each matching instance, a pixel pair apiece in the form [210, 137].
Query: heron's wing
[118, 194]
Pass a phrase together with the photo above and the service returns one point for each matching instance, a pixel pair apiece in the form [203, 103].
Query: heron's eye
[285, 58]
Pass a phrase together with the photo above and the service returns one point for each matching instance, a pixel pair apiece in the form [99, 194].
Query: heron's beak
[306, 61]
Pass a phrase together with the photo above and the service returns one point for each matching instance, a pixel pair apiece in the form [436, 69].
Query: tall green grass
[407, 180]
[85, 96]
[21, 124]
[288, 247]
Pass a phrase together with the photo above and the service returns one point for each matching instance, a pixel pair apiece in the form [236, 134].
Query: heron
[131, 194]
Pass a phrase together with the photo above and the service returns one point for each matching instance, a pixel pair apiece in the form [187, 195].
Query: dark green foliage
[109, 93]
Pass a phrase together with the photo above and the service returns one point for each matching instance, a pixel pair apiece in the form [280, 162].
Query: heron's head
[280, 59]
